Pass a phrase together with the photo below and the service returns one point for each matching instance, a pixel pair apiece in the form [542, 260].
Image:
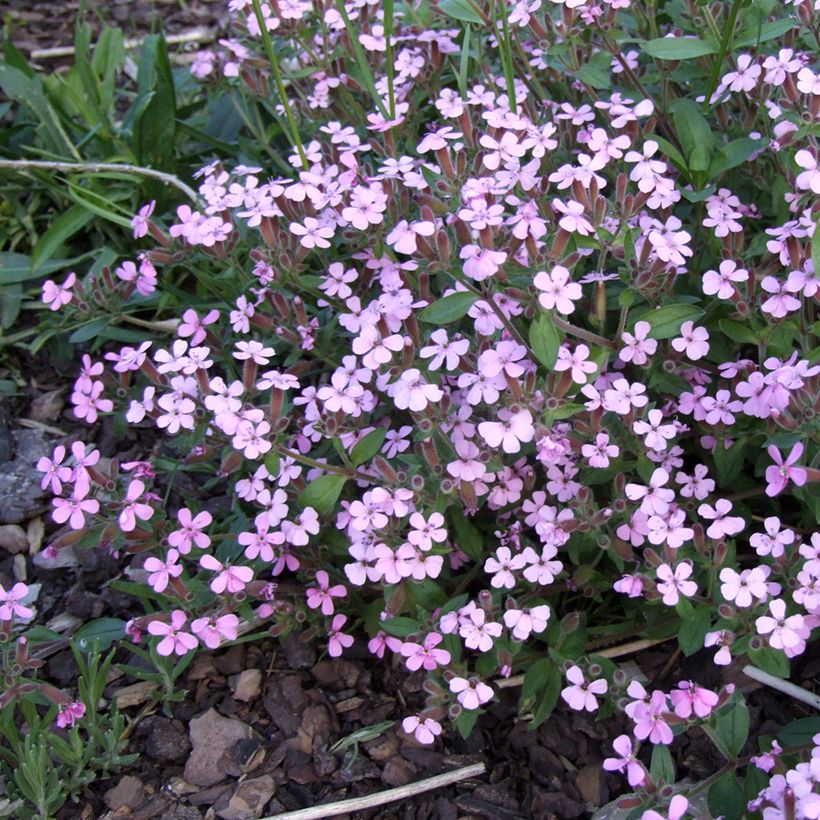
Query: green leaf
[666, 321]
[98, 205]
[671, 152]
[468, 537]
[771, 660]
[542, 686]
[154, 125]
[596, 72]
[66, 225]
[368, 446]
[322, 493]
[732, 154]
[691, 127]
[678, 48]
[89, 330]
[699, 158]
[739, 331]
[400, 627]
[661, 767]
[465, 722]
[799, 732]
[726, 798]
[449, 308]
[98, 635]
[545, 340]
[460, 10]
[728, 462]
[732, 728]
[762, 34]
[30, 92]
[693, 630]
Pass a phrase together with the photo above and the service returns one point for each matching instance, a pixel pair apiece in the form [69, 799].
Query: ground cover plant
[499, 333]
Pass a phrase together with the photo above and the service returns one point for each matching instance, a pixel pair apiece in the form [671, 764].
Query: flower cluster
[485, 366]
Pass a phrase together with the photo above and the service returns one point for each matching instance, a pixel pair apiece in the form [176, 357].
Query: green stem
[361, 59]
[581, 333]
[506, 56]
[728, 31]
[388, 38]
[329, 468]
[280, 86]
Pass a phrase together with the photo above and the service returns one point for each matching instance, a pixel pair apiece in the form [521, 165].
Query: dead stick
[613, 652]
[381, 798]
[22, 165]
[196, 35]
[784, 686]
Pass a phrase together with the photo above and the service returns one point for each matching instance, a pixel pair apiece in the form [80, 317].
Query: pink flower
[412, 392]
[162, 571]
[623, 396]
[443, 351]
[774, 541]
[626, 762]
[781, 472]
[809, 179]
[510, 432]
[230, 579]
[574, 220]
[403, 237]
[10, 602]
[693, 341]
[722, 524]
[599, 453]
[722, 284]
[578, 363]
[558, 292]
[338, 641]
[425, 655]
[214, 630]
[312, 234]
[140, 222]
[424, 729]
[174, 639]
[57, 296]
[525, 621]
[324, 595]
[785, 632]
[54, 473]
[655, 432]
[690, 698]
[631, 585]
[190, 532]
[650, 719]
[781, 302]
[426, 531]
[656, 498]
[133, 508]
[470, 693]
[69, 713]
[677, 809]
[746, 588]
[638, 348]
[581, 695]
[74, 509]
[723, 639]
[672, 583]
[502, 567]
